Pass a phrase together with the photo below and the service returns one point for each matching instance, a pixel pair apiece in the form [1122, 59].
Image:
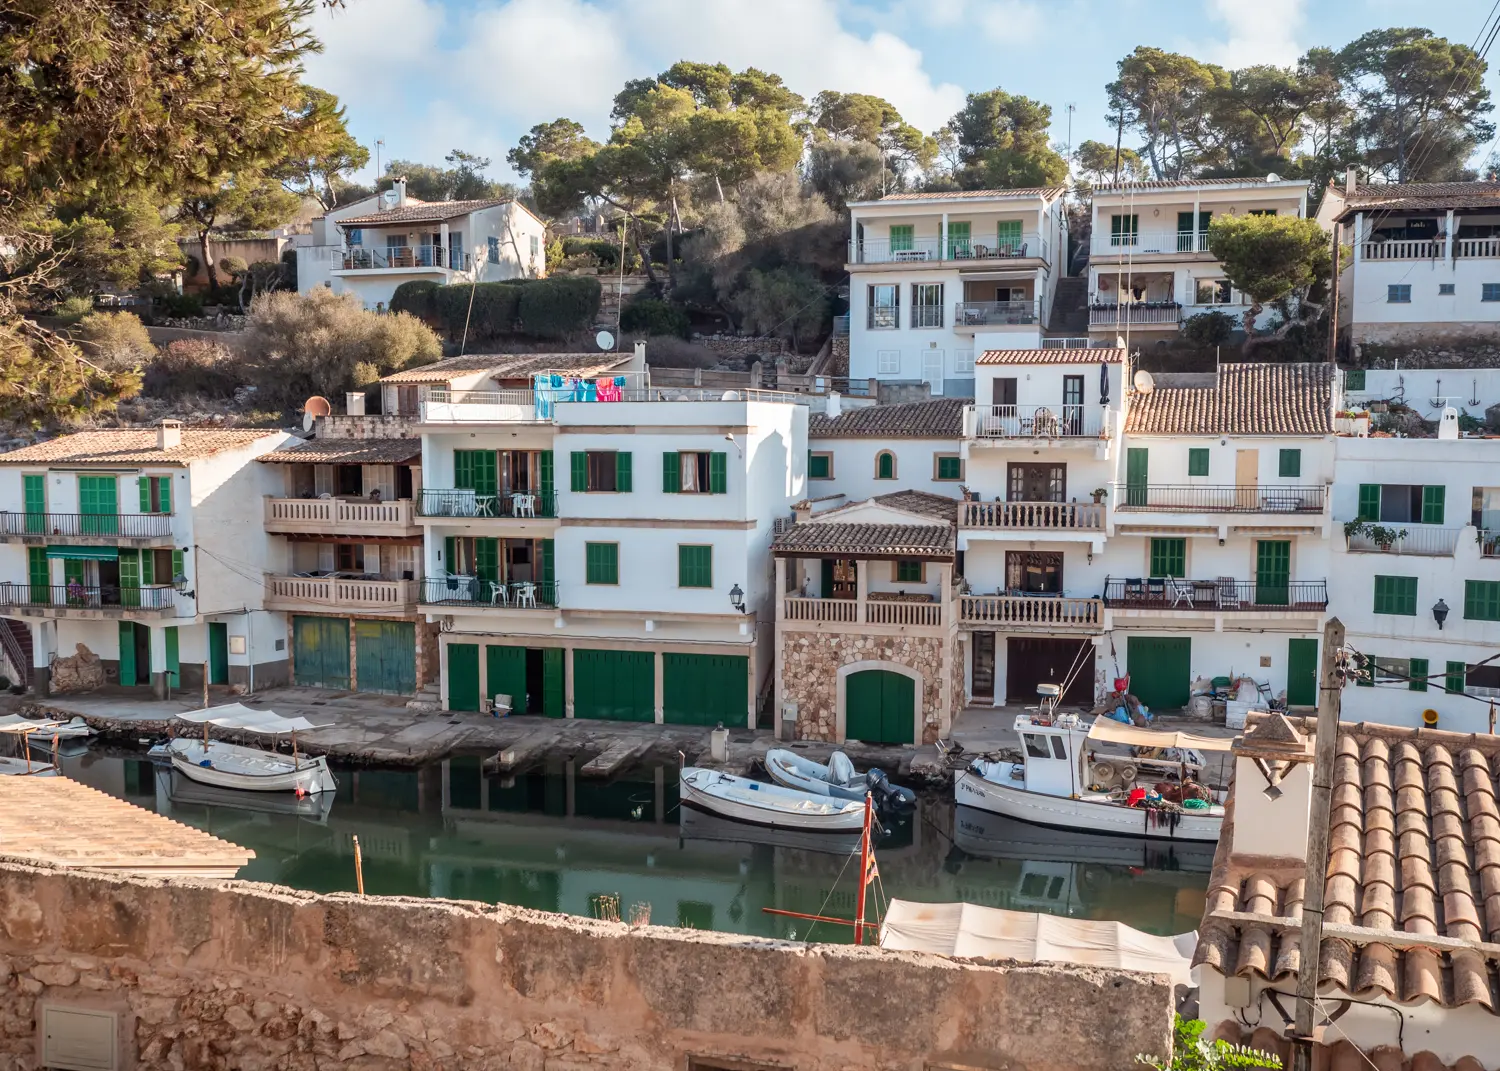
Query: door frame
[842, 712]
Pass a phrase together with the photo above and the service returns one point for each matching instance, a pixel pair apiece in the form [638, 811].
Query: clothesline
[551, 388]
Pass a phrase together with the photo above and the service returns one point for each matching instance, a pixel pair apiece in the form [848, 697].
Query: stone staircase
[15, 645]
[1070, 308]
[428, 700]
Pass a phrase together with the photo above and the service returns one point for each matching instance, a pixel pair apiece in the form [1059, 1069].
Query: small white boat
[697, 825]
[253, 769]
[837, 779]
[74, 729]
[13, 767]
[743, 800]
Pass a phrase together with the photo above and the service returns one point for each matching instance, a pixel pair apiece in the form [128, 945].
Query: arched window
[885, 465]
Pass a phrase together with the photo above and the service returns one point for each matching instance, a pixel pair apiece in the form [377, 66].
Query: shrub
[575, 262]
[493, 311]
[73, 309]
[181, 305]
[288, 269]
[193, 366]
[652, 316]
[415, 297]
[115, 341]
[1210, 328]
[233, 265]
[669, 351]
[554, 308]
[603, 250]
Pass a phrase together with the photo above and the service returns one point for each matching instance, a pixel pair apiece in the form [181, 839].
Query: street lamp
[1440, 613]
[737, 598]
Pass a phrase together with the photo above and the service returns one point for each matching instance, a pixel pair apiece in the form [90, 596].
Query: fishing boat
[253, 769]
[743, 800]
[837, 779]
[986, 835]
[696, 825]
[182, 792]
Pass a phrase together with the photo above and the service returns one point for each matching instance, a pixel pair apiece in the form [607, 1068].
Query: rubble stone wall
[1462, 345]
[244, 977]
[810, 664]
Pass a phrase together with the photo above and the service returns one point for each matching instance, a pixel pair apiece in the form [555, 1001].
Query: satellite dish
[317, 405]
[1273, 177]
[308, 420]
[604, 340]
[1144, 384]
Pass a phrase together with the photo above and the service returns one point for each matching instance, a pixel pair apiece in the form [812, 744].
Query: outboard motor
[887, 794]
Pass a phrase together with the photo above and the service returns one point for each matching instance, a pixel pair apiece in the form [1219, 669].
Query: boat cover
[239, 716]
[14, 723]
[972, 931]
[1115, 733]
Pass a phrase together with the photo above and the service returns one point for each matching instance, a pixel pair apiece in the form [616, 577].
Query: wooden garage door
[705, 689]
[320, 652]
[463, 676]
[1033, 660]
[880, 707]
[1159, 668]
[385, 656]
[614, 685]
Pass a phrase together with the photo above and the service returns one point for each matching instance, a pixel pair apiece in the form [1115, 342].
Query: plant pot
[1098, 500]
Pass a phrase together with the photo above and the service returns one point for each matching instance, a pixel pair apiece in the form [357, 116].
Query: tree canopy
[1002, 143]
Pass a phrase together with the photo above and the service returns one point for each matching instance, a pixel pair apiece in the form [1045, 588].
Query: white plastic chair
[498, 595]
[526, 594]
[523, 505]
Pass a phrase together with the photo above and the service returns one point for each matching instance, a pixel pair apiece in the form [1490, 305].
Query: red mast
[864, 873]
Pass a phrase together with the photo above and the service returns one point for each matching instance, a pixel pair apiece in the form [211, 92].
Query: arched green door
[880, 707]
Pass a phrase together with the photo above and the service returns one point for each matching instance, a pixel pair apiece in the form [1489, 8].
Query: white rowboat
[743, 800]
[248, 768]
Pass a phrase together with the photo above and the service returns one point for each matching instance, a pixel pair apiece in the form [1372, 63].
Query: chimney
[638, 359]
[354, 403]
[400, 187]
[1272, 790]
[1448, 423]
[169, 435]
[833, 405]
[1351, 180]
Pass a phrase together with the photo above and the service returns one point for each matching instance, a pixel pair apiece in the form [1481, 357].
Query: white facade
[323, 251]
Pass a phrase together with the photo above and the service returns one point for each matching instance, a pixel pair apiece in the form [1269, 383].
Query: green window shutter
[1198, 461]
[39, 573]
[1291, 463]
[718, 473]
[601, 562]
[450, 554]
[817, 466]
[1482, 600]
[1354, 379]
[1168, 557]
[695, 566]
[486, 472]
[622, 471]
[165, 505]
[949, 468]
[1453, 678]
[547, 552]
[902, 236]
[487, 559]
[177, 566]
[1418, 674]
[580, 469]
[671, 472]
[544, 470]
[1369, 502]
[1184, 223]
[463, 469]
[148, 568]
[908, 571]
[143, 483]
[885, 466]
[130, 577]
[1008, 232]
[1432, 504]
[1396, 595]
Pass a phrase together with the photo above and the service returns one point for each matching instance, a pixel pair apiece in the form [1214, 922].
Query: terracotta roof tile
[1188, 184]
[427, 212]
[1417, 196]
[970, 195]
[941, 418]
[136, 446]
[509, 366]
[1099, 355]
[1251, 399]
[856, 539]
[926, 503]
[348, 452]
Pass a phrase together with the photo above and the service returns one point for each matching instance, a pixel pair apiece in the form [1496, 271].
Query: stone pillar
[160, 684]
[861, 586]
[354, 662]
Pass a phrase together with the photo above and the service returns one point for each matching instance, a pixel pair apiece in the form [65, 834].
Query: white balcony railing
[908, 250]
[293, 591]
[1405, 249]
[821, 611]
[903, 612]
[1144, 243]
[478, 406]
[1416, 539]
[1033, 516]
[993, 313]
[355, 516]
[1137, 312]
[1477, 247]
[405, 256]
[857, 613]
[1052, 612]
[1035, 422]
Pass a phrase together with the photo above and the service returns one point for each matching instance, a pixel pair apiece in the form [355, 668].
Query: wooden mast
[864, 873]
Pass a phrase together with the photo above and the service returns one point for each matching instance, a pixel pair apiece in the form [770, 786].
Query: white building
[321, 252]
[1425, 263]
[146, 548]
[1149, 264]
[937, 277]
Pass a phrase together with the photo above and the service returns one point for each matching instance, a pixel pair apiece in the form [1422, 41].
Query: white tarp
[14, 723]
[239, 716]
[1119, 733]
[971, 931]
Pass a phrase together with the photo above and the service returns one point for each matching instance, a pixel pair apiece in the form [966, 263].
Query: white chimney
[169, 435]
[400, 187]
[638, 359]
[1272, 790]
[1351, 180]
[354, 403]
[833, 405]
[1448, 423]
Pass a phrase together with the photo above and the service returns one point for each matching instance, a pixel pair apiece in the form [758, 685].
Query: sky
[429, 76]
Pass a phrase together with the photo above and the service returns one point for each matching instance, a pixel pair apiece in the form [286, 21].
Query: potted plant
[1354, 422]
[1099, 494]
[1386, 538]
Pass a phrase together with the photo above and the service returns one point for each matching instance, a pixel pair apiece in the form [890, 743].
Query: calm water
[552, 840]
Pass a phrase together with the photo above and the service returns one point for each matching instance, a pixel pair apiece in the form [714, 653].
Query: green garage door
[320, 652]
[705, 689]
[1160, 670]
[614, 685]
[385, 656]
[880, 707]
[1302, 673]
[505, 674]
[463, 676]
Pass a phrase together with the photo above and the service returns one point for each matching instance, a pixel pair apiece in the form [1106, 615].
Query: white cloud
[1263, 32]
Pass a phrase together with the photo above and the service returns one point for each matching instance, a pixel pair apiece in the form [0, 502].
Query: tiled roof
[967, 195]
[1414, 847]
[1188, 184]
[938, 507]
[854, 540]
[134, 446]
[1417, 196]
[348, 452]
[509, 365]
[56, 821]
[941, 418]
[1251, 399]
[427, 212]
[1104, 355]
[1338, 1054]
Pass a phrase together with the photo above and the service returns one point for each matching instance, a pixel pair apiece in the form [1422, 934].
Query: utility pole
[1119, 139]
[1071, 109]
[1325, 747]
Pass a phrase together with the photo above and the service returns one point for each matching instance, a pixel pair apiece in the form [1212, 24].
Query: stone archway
[842, 701]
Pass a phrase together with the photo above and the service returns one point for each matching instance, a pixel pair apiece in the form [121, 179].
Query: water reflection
[553, 840]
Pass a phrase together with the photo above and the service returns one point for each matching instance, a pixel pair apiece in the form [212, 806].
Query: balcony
[995, 422]
[1032, 516]
[1030, 613]
[1150, 243]
[960, 251]
[479, 406]
[1202, 498]
[88, 601]
[1136, 314]
[329, 516]
[358, 258]
[523, 405]
[971, 314]
[1418, 540]
[879, 609]
[75, 529]
[1428, 249]
[471, 591]
[460, 502]
[1222, 594]
[351, 594]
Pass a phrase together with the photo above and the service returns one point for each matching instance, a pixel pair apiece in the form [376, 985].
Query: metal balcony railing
[406, 256]
[993, 313]
[1138, 312]
[1034, 421]
[1417, 539]
[110, 525]
[474, 591]
[906, 250]
[1221, 593]
[1198, 498]
[460, 502]
[85, 597]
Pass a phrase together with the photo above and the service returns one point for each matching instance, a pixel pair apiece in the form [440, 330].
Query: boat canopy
[14, 723]
[239, 716]
[972, 931]
[1116, 733]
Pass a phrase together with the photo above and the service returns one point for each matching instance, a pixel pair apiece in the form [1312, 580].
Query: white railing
[1148, 242]
[464, 406]
[823, 611]
[903, 612]
[1069, 516]
[1411, 539]
[993, 313]
[1477, 247]
[907, 250]
[1049, 611]
[1035, 421]
[1405, 249]
[336, 591]
[329, 513]
[1068, 343]
[1135, 313]
[404, 256]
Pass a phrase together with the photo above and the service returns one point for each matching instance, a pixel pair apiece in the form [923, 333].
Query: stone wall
[371, 426]
[741, 345]
[1460, 345]
[810, 663]
[244, 977]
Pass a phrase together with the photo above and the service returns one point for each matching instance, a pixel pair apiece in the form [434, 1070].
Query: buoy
[1430, 718]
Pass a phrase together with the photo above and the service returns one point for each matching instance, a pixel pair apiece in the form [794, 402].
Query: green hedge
[541, 308]
[493, 313]
[652, 316]
[553, 308]
[416, 297]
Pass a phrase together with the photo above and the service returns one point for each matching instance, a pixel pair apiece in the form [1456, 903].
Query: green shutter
[908, 571]
[487, 560]
[1273, 572]
[1008, 233]
[958, 239]
[475, 470]
[1453, 678]
[450, 554]
[165, 505]
[1137, 464]
[463, 469]
[885, 466]
[901, 236]
[34, 496]
[544, 470]
[695, 566]
[718, 473]
[580, 470]
[546, 551]
[148, 568]
[1291, 463]
[143, 484]
[949, 468]
[130, 577]
[553, 672]
[1168, 557]
[174, 658]
[671, 472]
[1396, 595]
[1418, 674]
[39, 572]
[99, 501]
[817, 466]
[126, 632]
[1482, 600]
[1369, 502]
[601, 563]
[622, 470]
[1198, 461]
[1354, 379]
[177, 567]
[1432, 504]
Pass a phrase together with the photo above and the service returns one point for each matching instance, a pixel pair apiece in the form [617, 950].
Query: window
[910, 571]
[1036, 483]
[958, 240]
[601, 563]
[1402, 503]
[819, 466]
[1453, 678]
[1291, 464]
[1482, 680]
[1488, 292]
[156, 494]
[902, 237]
[927, 304]
[1036, 746]
[1198, 461]
[160, 567]
[1214, 292]
[885, 465]
[1261, 212]
[695, 565]
[1008, 236]
[354, 236]
[1398, 294]
[948, 467]
[694, 472]
[1484, 509]
[888, 362]
[1396, 595]
[492, 246]
[1168, 557]
[884, 310]
[1482, 600]
[349, 557]
[1354, 379]
[1124, 230]
[963, 362]
[536, 245]
[1038, 572]
[601, 470]
[1445, 289]
[1417, 675]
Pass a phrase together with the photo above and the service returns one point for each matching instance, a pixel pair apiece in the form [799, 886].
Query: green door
[127, 653]
[1273, 571]
[505, 674]
[705, 689]
[1159, 668]
[174, 660]
[39, 574]
[614, 685]
[1302, 673]
[218, 654]
[1136, 458]
[463, 676]
[320, 651]
[554, 698]
[385, 656]
[34, 496]
[98, 501]
[880, 707]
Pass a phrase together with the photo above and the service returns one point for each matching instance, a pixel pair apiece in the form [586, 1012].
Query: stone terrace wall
[245, 977]
[810, 663]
